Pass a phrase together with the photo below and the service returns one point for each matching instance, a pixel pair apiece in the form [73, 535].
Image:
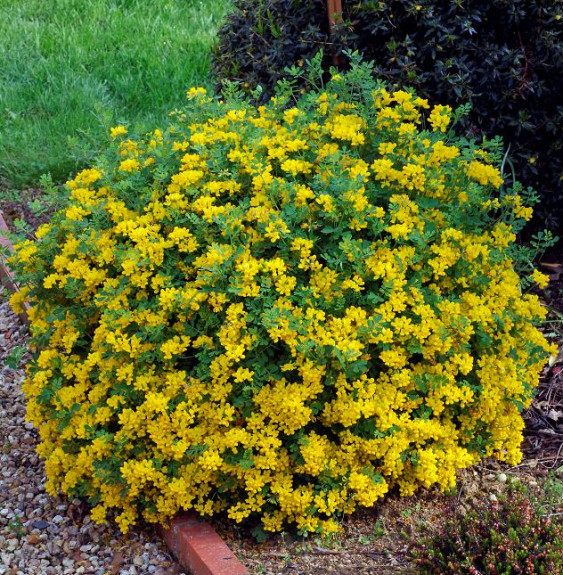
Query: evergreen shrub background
[262, 37]
[504, 57]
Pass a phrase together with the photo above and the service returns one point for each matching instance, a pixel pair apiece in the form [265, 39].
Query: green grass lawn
[69, 67]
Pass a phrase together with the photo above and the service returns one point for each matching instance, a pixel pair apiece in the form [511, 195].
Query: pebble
[502, 477]
[43, 540]
[493, 498]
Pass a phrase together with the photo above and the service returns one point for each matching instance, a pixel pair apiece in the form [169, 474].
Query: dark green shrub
[504, 57]
[262, 37]
[506, 537]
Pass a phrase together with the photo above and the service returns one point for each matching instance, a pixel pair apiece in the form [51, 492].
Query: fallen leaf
[33, 539]
[117, 562]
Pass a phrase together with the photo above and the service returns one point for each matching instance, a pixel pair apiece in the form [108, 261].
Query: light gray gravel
[40, 535]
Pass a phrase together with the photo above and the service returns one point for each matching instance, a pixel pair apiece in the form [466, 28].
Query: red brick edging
[198, 547]
[194, 543]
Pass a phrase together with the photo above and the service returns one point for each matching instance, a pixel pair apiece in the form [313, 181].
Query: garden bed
[374, 540]
[17, 208]
[288, 335]
[50, 536]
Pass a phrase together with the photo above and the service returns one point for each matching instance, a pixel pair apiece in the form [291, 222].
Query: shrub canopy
[280, 312]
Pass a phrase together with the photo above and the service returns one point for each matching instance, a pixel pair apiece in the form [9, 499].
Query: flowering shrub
[279, 312]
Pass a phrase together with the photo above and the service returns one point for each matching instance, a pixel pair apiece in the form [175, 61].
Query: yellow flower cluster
[278, 312]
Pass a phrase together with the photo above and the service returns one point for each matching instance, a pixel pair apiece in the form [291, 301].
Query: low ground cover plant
[280, 312]
[513, 535]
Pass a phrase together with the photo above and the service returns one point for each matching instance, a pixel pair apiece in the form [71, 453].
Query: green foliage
[502, 57]
[260, 38]
[379, 531]
[554, 491]
[506, 537]
[13, 359]
[16, 526]
[69, 67]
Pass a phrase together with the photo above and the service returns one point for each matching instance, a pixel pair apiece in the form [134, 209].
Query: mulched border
[198, 547]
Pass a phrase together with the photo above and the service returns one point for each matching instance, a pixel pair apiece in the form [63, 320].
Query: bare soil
[15, 208]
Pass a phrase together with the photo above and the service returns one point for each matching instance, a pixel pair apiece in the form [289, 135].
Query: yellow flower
[541, 280]
[118, 131]
[484, 174]
[129, 165]
[440, 118]
[195, 93]
[348, 128]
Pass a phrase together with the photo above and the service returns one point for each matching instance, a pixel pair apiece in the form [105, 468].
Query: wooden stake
[334, 13]
[334, 18]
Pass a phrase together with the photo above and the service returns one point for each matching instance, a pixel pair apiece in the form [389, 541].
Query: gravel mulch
[40, 535]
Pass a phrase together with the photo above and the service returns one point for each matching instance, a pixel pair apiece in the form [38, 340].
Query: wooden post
[334, 18]
[334, 13]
